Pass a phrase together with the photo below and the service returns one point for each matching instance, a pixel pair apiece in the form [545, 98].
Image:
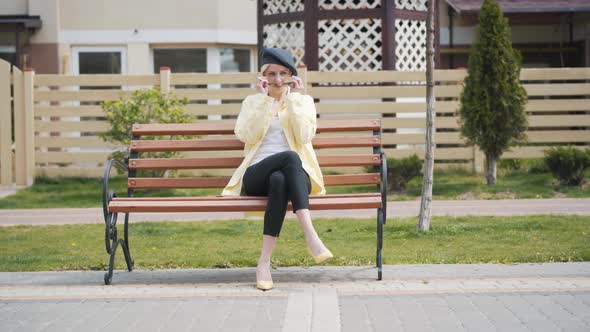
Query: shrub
[530, 166]
[144, 106]
[510, 164]
[537, 166]
[401, 171]
[568, 164]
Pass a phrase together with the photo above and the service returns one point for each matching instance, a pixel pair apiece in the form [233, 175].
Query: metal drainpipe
[18, 49]
[451, 54]
[571, 17]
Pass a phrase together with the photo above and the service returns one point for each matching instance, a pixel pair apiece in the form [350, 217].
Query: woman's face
[278, 76]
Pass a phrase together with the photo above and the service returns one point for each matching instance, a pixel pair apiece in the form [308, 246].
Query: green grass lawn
[457, 184]
[237, 243]
[74, 192]
[450, 184]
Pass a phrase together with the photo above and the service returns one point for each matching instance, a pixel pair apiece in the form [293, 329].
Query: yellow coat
[298, 121]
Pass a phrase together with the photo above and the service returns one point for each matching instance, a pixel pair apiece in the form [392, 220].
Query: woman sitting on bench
[277, 125]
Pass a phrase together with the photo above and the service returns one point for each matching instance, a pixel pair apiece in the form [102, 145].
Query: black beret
[278, 56]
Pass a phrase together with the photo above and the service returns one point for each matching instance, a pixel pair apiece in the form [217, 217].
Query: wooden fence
[17, 148]
[57, 117]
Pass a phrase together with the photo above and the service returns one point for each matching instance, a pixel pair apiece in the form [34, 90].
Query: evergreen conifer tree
[493, 100]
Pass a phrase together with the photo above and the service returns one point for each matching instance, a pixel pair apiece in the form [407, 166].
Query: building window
[99, 60]
[8, 54]
[100, 63]
[235, 60]
[181, 60]
[204, 60]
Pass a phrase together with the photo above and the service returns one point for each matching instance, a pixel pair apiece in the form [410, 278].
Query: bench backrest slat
[220, 182]
[209, 144]
[226, 127]
[234, 162]
[357, 143]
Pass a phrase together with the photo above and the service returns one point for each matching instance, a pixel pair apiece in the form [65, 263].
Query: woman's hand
[262, 85]
[297, 84]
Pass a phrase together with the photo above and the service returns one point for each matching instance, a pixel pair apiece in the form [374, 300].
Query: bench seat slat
[257, 204]
[233, 162]
[226, 127]
[207, 144]
[220, 182]
[235, 198]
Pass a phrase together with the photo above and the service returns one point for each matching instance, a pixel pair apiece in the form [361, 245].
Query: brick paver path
[478, 297]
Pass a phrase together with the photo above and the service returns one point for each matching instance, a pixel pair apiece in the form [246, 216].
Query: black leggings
[282, 178]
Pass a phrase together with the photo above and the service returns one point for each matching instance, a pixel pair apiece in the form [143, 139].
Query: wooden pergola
[346, 35]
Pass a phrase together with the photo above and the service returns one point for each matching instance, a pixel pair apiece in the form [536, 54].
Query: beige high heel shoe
[321, 258]
[263, 285]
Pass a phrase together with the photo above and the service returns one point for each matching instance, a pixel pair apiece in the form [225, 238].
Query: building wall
[13, 7]
[44, 54]
[50, 17]
[137, 26]
[171, 14]
[136, 14]
[167, 21]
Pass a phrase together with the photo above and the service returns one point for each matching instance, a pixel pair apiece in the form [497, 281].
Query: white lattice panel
[290, 36]
[350, 45]
[349, 4]
[420, 5]
[410, 38]
[282, 6]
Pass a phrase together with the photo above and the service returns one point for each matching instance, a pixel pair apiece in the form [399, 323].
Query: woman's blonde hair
[264, 68]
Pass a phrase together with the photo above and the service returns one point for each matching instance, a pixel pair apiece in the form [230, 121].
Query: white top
[273, 142]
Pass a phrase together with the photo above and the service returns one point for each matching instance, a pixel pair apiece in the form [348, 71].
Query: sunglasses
[273, 76]
[281, 84]
[284, 82]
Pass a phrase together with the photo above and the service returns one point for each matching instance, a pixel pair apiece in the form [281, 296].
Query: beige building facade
[139, 36]
[130, 36]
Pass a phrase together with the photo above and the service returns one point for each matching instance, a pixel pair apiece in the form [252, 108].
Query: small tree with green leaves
[492, 112]
[144, 106]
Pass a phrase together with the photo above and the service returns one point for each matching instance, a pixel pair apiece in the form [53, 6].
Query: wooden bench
[353, 133]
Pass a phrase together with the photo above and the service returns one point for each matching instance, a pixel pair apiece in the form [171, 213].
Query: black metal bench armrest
[106, 195]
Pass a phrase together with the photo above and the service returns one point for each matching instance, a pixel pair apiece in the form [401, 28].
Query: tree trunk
[491, 170]
[424, 218]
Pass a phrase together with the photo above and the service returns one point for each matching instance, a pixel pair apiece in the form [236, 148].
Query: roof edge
[561, 9]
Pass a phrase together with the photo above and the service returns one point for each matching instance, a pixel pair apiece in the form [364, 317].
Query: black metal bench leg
[379, 258]
[112, 242]
[108, 276]
[126, 249]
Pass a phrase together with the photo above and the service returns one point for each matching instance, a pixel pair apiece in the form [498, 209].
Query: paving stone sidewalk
[477, 297]
[9, 217]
